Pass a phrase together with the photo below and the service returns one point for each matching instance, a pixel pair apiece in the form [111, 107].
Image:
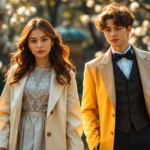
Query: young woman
[39, 106]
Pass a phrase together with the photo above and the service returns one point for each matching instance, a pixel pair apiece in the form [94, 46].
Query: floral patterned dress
[31, 134]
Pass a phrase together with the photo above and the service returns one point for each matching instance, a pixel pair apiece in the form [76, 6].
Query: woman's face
[39, 43]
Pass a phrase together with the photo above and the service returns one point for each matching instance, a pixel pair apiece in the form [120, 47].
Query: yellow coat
[99, 97]
[65, 123]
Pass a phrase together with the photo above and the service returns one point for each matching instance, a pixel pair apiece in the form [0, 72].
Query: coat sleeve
[5, 114]
[90, 110]
[74, 117]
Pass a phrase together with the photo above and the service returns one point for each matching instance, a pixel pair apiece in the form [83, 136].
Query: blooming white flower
[13, 19]
[4, 26]
[146, 39]
[135, 23]
[1, 64]
[148, 48]
[139, 31]
[144, 28]
[146, 23]
[22, 19]
[8, 6]
[134, 6]
[27, 12]
[32, 10]
[133, 40]
[21, 10]
[90, 3]
[98, 8]
[85, 19]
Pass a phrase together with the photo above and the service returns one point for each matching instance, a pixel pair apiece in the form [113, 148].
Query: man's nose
[113, 33]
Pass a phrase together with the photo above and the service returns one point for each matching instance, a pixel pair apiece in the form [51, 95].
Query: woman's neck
[42, 63]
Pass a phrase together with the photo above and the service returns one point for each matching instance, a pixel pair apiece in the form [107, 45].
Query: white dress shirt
[124, 64]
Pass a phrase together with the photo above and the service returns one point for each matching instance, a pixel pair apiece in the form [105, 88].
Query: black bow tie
[129, 55]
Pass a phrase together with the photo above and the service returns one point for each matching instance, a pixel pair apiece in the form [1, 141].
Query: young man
[117, 87]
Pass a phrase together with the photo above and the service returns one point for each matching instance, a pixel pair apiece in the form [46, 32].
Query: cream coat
[64, 124]
[99, 97]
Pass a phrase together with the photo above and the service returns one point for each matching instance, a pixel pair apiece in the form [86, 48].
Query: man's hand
[2, 148]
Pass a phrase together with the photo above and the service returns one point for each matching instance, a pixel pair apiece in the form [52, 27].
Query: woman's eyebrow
[41, 37]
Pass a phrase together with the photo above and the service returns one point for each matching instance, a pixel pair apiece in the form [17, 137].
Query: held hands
[2, 148]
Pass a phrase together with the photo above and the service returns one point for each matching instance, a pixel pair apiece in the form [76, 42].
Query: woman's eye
[33, 41]
[44, 39]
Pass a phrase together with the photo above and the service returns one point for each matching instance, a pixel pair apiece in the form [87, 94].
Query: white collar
[114, 51]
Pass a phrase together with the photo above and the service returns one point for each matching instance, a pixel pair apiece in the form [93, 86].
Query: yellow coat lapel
[106, 69]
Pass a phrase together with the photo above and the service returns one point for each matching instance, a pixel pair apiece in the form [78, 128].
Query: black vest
[130, 102]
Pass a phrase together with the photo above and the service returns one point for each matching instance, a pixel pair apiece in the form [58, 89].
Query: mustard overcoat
[64, 124]
[99, 97]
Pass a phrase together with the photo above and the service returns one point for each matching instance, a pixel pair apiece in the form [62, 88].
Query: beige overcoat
[63, 128]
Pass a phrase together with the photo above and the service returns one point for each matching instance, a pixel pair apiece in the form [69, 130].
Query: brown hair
[121, 14]
[25, 60]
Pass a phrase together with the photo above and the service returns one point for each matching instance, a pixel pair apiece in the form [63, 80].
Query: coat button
[129, 94]
[48, 134]
[112, 133]
[128, 83]
[113, 115]
[132, 115]
[51, 112]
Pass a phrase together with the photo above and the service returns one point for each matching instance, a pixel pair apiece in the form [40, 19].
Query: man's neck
[121, 48]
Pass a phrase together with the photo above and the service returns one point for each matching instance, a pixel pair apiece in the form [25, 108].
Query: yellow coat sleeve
[74, 117]
[5, 110]
[90, 109]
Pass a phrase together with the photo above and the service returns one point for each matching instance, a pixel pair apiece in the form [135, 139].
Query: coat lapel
[106, 70]
[18, 93]
[144, 68]
[56, 90]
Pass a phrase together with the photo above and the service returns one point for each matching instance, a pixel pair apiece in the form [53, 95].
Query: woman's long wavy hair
[25, 60]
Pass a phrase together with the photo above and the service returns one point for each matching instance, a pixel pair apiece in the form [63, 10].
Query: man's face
[117, 36]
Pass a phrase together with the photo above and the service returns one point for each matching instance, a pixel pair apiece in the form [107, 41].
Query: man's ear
[129, 29]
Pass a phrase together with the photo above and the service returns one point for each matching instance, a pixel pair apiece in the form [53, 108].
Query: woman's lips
[40, 51]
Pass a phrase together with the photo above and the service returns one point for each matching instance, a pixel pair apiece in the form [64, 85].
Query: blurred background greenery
[74, 20]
